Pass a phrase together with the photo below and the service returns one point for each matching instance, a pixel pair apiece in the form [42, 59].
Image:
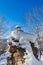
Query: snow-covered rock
[24, 39]
[24, 42]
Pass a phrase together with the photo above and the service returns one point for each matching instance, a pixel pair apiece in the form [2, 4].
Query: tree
[34, 19]
[3, 26]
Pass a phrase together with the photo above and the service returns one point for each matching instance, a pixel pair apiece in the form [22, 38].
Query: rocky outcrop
[17, 56]
[34, 50]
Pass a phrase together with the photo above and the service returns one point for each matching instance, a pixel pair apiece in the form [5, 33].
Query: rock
[17, 55]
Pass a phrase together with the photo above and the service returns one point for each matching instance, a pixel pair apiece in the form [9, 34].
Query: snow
[3, 58]
[30, 59]
[42, 56]
[24, 39]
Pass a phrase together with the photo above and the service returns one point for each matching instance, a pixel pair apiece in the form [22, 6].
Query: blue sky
[14, 10]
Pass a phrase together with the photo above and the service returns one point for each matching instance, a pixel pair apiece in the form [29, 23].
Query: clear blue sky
[15, 9]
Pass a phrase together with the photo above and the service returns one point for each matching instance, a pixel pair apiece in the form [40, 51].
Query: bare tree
[34, 19]
[3, 26]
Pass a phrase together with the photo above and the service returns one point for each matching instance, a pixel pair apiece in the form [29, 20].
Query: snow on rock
[20, 34]
[3, 58]
[24, 39]
[30, 58]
